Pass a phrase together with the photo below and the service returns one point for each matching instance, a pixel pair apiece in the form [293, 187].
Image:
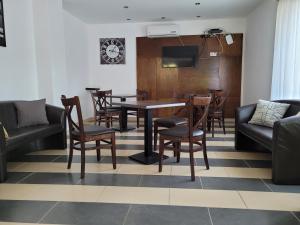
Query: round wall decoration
[112, 51]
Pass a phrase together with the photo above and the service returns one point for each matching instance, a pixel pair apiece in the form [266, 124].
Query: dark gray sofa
[283, 140]
[22, 140]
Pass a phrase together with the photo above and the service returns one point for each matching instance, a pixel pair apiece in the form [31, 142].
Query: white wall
[17, 60]
[259, 49]
[76, 45]
[50, 49]
[122, 78]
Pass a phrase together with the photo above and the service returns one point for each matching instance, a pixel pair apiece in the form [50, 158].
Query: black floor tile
[297, 214]
[14, 177]
[167, 215]
[111, 180]
[283, 188]
[87, 214]
[223, 162]
[23, 211]
[259, 163]
[52, 178]
[251, 217]
[242, 184]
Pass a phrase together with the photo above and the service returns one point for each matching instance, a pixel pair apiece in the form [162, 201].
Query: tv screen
[179, 56]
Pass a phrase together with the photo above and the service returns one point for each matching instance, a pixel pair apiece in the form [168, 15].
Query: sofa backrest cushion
[8, 115]
[293, 109]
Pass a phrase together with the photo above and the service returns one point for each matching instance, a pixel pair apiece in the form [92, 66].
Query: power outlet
[213, 54]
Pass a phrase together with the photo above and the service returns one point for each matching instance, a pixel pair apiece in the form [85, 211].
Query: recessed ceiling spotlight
[125, 6]
[197, 3]
[163, 17]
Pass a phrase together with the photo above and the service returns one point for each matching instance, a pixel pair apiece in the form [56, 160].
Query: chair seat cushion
[109, 110]
[180, 131]
[259, 133]
[170, 121]
[28, 134]
[94, 130]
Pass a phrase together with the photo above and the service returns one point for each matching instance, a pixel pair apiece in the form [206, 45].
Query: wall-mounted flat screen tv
[179, 56]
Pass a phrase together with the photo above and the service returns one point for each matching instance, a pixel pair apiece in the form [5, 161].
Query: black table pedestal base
[128, 128]
[141, 158]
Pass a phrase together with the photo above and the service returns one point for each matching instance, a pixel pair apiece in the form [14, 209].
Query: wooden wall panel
[221, 72]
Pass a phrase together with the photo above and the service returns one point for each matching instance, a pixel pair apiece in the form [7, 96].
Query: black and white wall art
[2, 26]
[112, 51]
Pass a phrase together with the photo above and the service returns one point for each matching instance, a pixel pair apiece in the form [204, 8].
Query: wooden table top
[152, 104]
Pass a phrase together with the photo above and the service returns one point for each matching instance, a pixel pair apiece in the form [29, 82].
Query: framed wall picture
[112, 51]
[2, 27]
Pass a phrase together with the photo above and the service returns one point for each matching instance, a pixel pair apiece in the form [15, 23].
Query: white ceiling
[112, 11]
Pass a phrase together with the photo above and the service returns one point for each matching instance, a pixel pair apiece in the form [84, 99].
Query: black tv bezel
[195, 52]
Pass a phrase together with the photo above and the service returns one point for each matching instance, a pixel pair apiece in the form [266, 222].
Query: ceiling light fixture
[198, 16]
[125, 7]
[163, 17]
[128, 19]
[197, 3]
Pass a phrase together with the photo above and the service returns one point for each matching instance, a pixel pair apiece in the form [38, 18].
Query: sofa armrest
[243, 114]
[2, 139]
[56, 115]
[286, 151]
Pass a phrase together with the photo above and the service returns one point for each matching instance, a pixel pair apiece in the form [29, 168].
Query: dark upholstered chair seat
[94, 130]
[259, 133]
[180, 131]
[170, 121]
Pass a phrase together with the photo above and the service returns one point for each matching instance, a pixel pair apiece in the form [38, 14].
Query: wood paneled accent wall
[221, 72]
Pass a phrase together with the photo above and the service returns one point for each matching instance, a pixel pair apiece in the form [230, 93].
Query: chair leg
[98, 150]
[107, 122]
[192, 162]
[161, 153]
[178, 152]
[155, 135]
[213, 126]
[70, 154]
[138, 119]
[113, 150]
[82, 160]
[205, 154]
[223, 121]
[220, 125]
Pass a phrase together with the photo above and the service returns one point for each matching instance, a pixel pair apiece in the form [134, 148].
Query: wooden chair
[104, 111]
[217, 112]
[80, 134]
[193, 133]
[141, 95]
[168, 122]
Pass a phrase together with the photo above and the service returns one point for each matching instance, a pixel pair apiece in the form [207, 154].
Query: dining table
[123, 97]
[148, 156]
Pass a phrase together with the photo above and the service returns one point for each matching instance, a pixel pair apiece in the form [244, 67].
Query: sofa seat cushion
[28, 134]
[260, 134]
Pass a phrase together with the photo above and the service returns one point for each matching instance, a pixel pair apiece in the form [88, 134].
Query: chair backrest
[218, 101]
[71, 104]
[142, 95]
[198, 107]
[101, 100]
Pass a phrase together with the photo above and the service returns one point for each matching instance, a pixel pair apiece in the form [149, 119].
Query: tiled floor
[237, 190]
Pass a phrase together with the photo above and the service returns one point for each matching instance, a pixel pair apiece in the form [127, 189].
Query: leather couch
[283, 140]
[22, 140]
